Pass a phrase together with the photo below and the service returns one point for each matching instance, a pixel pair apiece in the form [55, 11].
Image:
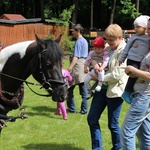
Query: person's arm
[88, 61]
[74, 60]
[124, 53]
[95, 66]
[134, 72]
[106, 55]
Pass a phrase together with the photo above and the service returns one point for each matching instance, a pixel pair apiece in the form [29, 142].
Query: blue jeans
[70, 100]
[137, 122]
[99, 103]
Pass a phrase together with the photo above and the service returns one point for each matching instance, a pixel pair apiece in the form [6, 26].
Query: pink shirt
[99, 58]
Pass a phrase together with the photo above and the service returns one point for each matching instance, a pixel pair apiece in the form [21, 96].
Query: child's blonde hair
[113, 30]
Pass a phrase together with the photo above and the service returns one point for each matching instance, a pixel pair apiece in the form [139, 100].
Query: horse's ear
[40, 42]
[58, 38]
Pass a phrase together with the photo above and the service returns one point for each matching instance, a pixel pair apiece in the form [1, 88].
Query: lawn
[43, 130]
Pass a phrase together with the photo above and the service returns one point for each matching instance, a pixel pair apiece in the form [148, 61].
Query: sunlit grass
[45, 131]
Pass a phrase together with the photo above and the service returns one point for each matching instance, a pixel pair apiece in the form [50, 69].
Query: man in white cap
[135, 50]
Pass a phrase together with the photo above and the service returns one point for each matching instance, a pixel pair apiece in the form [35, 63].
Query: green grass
[45, 131]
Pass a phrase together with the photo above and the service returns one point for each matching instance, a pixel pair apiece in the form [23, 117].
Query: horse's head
[50, 68]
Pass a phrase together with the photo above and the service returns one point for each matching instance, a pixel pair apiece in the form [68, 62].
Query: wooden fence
[12, 31]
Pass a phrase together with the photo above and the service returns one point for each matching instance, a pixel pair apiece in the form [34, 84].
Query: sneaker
[83, 112]
[70, 111]
[98, 88]
[58, 113]
[127, 96]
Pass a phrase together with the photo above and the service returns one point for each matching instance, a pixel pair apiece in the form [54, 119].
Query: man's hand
[85, 69]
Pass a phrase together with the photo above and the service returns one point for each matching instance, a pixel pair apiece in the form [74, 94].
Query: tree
[75, 12]
[104, 11]
[113, 11]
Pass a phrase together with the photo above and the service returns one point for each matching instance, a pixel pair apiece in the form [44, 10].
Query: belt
[82, 57]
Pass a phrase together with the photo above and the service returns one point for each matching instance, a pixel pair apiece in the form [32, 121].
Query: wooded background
[102, 12]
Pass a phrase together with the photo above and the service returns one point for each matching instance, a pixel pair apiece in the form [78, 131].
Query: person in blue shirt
[76, 69]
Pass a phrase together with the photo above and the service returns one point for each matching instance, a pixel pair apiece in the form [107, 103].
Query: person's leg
[143, 134]
[84, 103]
[127, 94]
[100, 80]
[131, 81]
[87, 85]
[130, 84]
[58, 110]
[70, 100]
[63, 110]
[98, 105]
[114, 108]
[135, 116]
[87, 81]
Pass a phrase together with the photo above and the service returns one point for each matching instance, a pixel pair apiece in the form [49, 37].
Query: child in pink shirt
[101, 56]
[61, 108]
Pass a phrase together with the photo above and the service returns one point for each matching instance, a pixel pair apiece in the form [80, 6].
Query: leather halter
[47, 82]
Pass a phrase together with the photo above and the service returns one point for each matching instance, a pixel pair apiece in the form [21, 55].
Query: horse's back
[17, 48]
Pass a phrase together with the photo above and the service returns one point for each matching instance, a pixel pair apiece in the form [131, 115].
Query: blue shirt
[81, 48]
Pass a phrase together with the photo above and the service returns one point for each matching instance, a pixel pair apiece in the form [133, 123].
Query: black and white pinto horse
[40, 58]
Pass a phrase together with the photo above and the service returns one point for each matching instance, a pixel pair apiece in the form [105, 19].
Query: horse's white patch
[18, 48]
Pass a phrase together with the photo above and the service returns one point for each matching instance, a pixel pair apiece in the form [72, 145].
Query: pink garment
[67, 76]
[61, 108]
[99, 58]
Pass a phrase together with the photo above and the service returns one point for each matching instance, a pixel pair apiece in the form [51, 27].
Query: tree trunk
[33, 5]
[42, 9]
[137, 6]
[75, 12]
[91, 14]
[113, 11]
[13, 3]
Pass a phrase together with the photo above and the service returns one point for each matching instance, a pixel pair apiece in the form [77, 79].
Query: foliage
[67, 43]
[124, 14]
[64, 21]
[64, 17]
[128, 8]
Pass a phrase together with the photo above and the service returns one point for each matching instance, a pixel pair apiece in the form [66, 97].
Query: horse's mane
[55, 52]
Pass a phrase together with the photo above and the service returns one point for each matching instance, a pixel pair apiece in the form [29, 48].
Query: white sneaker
[98, 88]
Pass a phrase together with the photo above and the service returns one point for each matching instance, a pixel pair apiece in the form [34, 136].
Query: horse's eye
[49, 65]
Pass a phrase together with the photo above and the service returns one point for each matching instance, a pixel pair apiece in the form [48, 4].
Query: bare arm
[74, 60]
[134, 72]
[95, 65]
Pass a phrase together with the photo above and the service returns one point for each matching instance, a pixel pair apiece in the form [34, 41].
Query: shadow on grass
[50, 146]
[41, 111]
